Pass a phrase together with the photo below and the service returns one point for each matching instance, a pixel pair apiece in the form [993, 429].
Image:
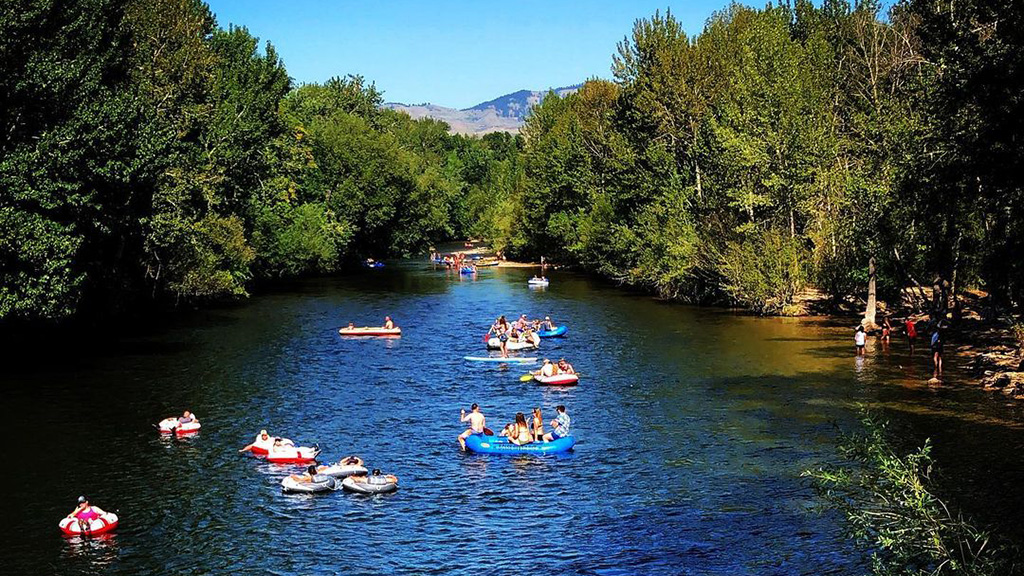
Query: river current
[693, 426]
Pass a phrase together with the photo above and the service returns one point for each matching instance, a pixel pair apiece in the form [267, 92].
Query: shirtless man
[389, 324]
[476, 424]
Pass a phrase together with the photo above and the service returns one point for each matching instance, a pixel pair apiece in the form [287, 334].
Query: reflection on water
[693, 427]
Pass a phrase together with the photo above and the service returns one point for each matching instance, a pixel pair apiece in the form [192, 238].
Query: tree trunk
[869, 314]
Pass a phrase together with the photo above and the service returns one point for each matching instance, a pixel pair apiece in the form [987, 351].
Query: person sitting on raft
[547, 370]
[560, 425]
[565, 368]
[279, 445]
[306, 476]
[85, 513]
[477, 422]
[521, 433]
[349, 461]
[187, 418]
[538, 425]
[376, 477]
[389, 324]
[547, 324]
[261, 438]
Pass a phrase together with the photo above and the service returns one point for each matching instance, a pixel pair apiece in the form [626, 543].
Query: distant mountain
[503, 114]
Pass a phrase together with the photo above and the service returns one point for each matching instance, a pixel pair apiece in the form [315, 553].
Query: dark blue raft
[558, 331]
[500, 445]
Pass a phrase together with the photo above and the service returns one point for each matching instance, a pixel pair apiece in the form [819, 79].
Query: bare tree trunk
[869, 314]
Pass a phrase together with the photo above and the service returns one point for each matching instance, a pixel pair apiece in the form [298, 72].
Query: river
[693, 427]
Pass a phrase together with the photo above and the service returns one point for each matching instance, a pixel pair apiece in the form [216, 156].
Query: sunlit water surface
[693, 426]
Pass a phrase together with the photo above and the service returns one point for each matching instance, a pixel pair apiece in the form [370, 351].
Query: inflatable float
[495, 343]
[343, 469]
[293, 455]
[375, 484]
[557, 332]
[373, 264]
[320, 483]
[262, 447]
[104, 523]
[370, 331]
[498, 359]
[537, 282]
[172, 426]
[482, 444]
[467, 271]
[558, 380]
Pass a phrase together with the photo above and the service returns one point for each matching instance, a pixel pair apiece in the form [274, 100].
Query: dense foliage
[888, 501]
[147, 155]
[785, 146]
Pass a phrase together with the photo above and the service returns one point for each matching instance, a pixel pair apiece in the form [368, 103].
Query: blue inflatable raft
[500, 445]
[558, 331]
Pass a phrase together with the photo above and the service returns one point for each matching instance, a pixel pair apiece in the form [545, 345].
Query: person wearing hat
[547, 324]
[85, 513]
[264, 441]
[547, 370]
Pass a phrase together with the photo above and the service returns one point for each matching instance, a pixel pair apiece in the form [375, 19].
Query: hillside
[503, 114]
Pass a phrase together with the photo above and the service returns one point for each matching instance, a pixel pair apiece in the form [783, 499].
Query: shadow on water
[693, 428]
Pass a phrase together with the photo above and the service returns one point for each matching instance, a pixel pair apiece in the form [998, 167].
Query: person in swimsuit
[187, 418]
[538, 425]
[937, 352]
[477, 423]
[560, 425]
[85, 513]
[565, 368]
[502, 330]
[388, 323]
[860, 338]
[886, 330]
[547, 324]
[522, 434]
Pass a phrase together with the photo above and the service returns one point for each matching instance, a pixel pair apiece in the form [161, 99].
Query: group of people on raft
[389, 324]
[518, 432]
[281, 445]
[522, 330]
[550, 368]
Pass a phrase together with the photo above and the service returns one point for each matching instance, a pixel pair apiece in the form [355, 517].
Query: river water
[693, 426]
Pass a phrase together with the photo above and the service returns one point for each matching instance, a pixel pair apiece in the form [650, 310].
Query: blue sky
[450, 53]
